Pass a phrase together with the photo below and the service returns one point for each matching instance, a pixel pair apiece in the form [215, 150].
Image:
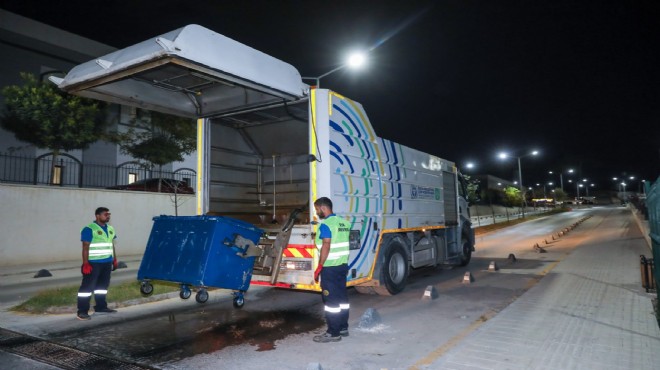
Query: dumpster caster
[202, 296]
[146, 288]
[185, 292]
[239, 300]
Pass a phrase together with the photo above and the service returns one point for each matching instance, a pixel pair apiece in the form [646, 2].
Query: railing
[67, 171]
[653, 209]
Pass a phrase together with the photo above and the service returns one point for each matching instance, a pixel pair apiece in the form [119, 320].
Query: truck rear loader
[270, 145]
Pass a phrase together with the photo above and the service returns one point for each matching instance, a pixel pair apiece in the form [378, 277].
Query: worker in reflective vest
[332, 241]
[99, 259]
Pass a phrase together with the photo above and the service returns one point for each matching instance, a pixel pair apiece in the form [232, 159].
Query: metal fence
[68, 171]
[653, 209]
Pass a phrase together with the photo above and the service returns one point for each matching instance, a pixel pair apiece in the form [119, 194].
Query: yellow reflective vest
[101, 245]
[339, 245]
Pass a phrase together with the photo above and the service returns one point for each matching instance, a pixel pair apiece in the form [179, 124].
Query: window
[186, 180]
[132, 177]
[57, 175]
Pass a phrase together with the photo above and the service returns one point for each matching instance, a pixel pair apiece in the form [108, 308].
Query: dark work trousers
[95, 283]
[335, 298]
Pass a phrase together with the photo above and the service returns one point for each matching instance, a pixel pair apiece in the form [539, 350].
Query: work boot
[83, 316]
[343, 332]
[325, 338]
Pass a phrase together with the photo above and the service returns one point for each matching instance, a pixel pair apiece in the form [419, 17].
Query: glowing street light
[354, 61]
[561, 177]
[504, 155]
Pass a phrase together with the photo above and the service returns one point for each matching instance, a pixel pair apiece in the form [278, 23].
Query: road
[275, 328]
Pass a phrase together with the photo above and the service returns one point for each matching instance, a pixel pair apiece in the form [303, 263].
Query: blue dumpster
[199, 252]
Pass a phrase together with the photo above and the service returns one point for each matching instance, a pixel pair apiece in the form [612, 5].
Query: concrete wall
[42, 224]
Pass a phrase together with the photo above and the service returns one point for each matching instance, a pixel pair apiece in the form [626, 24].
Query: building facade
[42, 50]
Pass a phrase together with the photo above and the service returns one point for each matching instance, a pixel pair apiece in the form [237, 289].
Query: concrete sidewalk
[589, 312]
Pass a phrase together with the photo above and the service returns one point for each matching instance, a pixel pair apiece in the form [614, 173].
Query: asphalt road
[275, 328]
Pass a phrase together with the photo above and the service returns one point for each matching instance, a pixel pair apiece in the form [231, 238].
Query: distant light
[469, 165]
[537, 184]
[535, 152]
[623, 183]
[515, 183]
[569, 180]
[632, 177]
[615, 178]
[550, 172]
[584, 180]
[356, 60]
[551, 183]
[570, 170]
[502, 155]
[499, 184]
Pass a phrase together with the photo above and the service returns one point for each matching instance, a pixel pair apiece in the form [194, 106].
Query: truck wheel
[467, 251]
[394, 270]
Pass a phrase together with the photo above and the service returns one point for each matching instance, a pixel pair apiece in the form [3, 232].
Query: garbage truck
[269, 145]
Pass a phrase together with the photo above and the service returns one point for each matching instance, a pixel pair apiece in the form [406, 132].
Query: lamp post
[561, 177]
[354, 60]
[624, 191]
[520, 182]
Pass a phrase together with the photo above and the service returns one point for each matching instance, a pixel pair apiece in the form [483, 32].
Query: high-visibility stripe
[100, 291]
[338, 245]
[95, 245]
[84, 295]
[338, 254]
[100, 252]
[298, 252]
[332, 309]
[344, 306]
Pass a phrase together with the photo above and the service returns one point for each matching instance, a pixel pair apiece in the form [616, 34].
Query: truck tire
[466, 254]
[394, 270]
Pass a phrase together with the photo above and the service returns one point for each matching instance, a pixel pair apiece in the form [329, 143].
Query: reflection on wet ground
[175, 336]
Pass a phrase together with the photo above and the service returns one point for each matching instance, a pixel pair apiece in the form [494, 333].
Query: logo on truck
[423, 192]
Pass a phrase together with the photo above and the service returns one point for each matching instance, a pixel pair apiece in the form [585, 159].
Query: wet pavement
[175, 336]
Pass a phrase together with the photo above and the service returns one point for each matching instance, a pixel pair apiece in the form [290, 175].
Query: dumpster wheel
[185, 292]
[146, 288]
[239, 299]
[202, 296]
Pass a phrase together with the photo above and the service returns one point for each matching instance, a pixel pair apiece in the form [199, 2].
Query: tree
[158, 138]
[472, 189]
[39, 113]
[560, 195]
[512, 196]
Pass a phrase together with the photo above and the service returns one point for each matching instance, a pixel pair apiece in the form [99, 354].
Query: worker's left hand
[317, 273]
[115, 263]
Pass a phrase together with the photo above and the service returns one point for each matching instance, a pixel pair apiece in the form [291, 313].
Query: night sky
[577, 80]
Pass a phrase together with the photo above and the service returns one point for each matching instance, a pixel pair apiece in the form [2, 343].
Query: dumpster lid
[191, 72]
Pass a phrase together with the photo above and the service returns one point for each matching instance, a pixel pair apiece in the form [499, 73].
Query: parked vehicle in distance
[166, 186]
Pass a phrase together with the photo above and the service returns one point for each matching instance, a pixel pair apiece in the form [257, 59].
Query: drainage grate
[59, 355]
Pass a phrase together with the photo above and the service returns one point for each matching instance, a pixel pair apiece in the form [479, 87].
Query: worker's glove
[86, 268]
[317, 273]
[115, 263]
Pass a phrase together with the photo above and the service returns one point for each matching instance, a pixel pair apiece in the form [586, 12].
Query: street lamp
[505, 156]
[561, 177]
[624, 191]
[354, 61]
